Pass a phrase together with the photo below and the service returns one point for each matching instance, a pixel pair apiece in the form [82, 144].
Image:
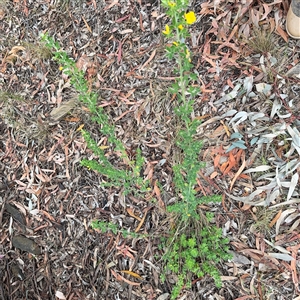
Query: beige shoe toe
[293, 20]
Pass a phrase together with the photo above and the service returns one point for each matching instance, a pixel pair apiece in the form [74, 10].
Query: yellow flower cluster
[190, 18]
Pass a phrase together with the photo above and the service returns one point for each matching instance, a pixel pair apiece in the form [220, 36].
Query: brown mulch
[48, 200]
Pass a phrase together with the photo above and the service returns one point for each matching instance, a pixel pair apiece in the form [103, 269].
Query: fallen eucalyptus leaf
[230, 95]
[282, 217]
[273, 196]
[241, 116]
[249, 199]
[239, 258]
[164, 296]
[283, 116]
[248, 84]
[59, 112]
[275, 108]
[258, 169]
[292, 201]
[15, 213]
[254, 140]
[17, 272]
[293, 184]
[279, 248]
[236, 135]
[294, 71]
[25, 244]
[263, 88]
[295, 134]
[237, 144]
[281, 256]
[229, 113]
[60, 295]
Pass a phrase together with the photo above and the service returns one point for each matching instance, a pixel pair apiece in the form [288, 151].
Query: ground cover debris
[69, 232]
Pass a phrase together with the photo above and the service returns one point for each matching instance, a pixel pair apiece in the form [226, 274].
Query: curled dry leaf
[121, 278]
[59, 112]
[282, 218]
[13, 54]
[294, 72]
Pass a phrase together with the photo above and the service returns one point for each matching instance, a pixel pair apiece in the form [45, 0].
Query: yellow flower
[175, 43]
[190, 17]
[167, 30]
[188, 55]
[60, 68]
[180, 27]
[171, 4]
